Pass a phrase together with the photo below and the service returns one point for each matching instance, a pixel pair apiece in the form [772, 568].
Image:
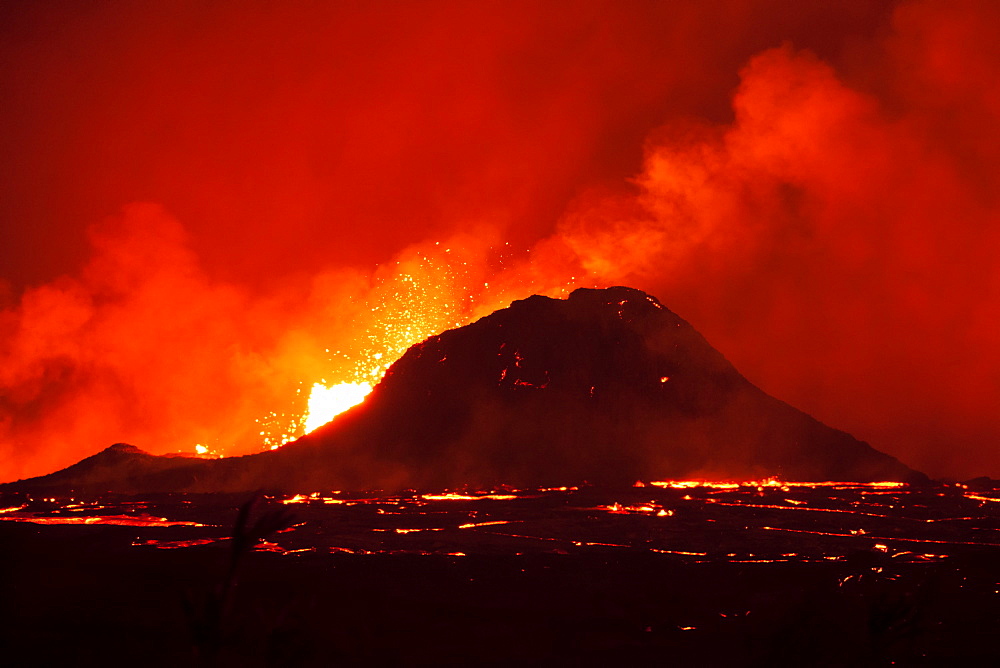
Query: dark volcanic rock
[607, 386]
[118, 467]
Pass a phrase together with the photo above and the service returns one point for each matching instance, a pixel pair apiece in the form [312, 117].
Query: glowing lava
[424, 292]
[428, 290]
[325, 403]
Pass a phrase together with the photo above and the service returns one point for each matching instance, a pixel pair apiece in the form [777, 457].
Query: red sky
[199, 199]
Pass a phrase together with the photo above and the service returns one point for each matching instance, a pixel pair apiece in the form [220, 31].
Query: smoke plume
[206, 209]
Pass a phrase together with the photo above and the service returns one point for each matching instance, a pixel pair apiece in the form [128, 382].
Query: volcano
[607, 386]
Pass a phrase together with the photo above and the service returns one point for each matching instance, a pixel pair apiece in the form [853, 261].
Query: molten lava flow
[142, 520]
[774, 482]
[454, 496]
[175, 544]
[717, 522]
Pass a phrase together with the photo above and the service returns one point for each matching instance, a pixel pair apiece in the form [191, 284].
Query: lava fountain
[326, 403]
[437, 287]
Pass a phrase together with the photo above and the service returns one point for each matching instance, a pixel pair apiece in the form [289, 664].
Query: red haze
[813, 188]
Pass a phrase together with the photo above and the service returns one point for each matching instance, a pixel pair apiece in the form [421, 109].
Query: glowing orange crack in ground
[119, 520]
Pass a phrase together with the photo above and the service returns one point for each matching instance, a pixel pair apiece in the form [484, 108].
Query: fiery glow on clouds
[144, 347]
[814, 188]
[849, 235]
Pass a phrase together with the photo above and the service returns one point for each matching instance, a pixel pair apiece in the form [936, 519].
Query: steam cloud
[814, 189]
